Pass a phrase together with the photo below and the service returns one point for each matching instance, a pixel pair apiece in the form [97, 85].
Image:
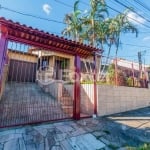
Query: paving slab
[7, 137]
[12, 145]
[1, 146]
[41, 130]
[103, 132]
[66, 145]
[65, 128]
[98, 133]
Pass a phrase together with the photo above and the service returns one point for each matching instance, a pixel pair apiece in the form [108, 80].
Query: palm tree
[74, 26]
[106, 36]
[116, 26]
[123, 25]
[92, 19]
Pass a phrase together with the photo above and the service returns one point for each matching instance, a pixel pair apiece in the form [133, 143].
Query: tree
[111, 74]
[92, 21]
[122, 25]
[93, 28]
[74, 26]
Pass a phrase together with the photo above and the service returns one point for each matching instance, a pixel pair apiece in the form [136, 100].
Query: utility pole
[140, 63]
[140, 54]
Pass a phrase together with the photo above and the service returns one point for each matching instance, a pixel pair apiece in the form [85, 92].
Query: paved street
[113, 132]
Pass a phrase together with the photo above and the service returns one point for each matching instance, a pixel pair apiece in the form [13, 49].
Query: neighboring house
[148, 72]
[131, 69]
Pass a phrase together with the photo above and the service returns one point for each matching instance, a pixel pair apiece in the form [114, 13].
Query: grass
[143, 147]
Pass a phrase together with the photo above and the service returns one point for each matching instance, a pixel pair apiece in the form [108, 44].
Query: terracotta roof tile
[55, 38]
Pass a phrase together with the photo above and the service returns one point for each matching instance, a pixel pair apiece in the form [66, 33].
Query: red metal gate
[88, 94]
[39, 75]
[33, 92]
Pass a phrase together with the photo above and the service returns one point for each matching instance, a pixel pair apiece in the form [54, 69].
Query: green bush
[129, 81]
[111, 76]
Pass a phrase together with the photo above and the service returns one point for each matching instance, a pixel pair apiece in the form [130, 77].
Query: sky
[56, 10]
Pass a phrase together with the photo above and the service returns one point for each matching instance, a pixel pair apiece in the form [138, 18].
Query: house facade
[132, 69]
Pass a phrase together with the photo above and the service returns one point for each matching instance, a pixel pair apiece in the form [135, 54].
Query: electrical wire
[30, 15]
[115, 10]
[128, 7]
[129, 17]
[142, 4]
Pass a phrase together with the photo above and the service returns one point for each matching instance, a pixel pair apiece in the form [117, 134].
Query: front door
[58, 69]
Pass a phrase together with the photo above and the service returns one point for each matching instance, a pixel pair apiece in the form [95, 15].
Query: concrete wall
[70, 89]
[113, 99]
[53, 87]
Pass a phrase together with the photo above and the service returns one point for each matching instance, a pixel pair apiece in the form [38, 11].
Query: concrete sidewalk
[112, 132]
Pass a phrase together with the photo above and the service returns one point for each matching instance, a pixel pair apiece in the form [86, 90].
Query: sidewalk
[112, 132]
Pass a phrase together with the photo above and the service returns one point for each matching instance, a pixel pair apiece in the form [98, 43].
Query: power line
[142, 4]
[137, 8]
[129, 17]
[135, 45]
[115, 10]
[122, 4]
[30, 15]
[63, 3]
[56, 21]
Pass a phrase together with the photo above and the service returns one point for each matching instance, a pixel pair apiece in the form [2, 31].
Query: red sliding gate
[36, 70]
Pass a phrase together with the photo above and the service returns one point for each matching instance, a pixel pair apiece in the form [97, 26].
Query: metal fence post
[77, 89]
[116, 72]
[95, 86]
